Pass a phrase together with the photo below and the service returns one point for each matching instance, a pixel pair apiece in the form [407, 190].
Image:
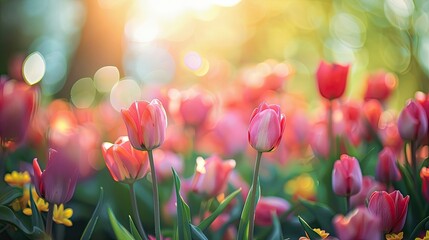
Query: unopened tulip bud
[412, 122]
[346, 176]
[386, 170]
[266, 207]
[331, 80]
[380, 86]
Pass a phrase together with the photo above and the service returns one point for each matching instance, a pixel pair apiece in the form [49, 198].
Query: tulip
[125, 163]
[212, 174]
[266, 127]
[195, 107]
[369, 185]
[380, 86]
[423, 100]
[391, 208]
[331, 80]
[266, 207]
[18, 103]
[146, 124]
[346, 176]
[424, 175]
[412, 122]
[386, 170]
[358, 224]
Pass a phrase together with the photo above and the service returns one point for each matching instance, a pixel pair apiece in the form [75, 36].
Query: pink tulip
[211, 176]
[380, 86]
[57, 183]
[18, 103]
[358, 224]
[146, 124]
[195, 106]
[369, 185]
[266, 127]
[424, 175]
[125, 163]
[266, 207]
[386, 170]
[412, 122]
[331, 79]
[318, 142]
[391, 208]
[346, 176]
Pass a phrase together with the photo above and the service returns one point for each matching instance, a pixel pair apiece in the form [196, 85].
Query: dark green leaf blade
[120, 231]
[86, 235]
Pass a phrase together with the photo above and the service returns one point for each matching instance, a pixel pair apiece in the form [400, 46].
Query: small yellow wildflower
[321, 233]
[426, 237]
[17, 179]
[61, 215]
[394, 236]
[301, 186]
[41, 205]
[22, 202]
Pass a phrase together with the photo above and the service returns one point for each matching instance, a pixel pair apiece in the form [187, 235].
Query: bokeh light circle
[83, 93]
[105, 78]
[124, 93]
[34, 68]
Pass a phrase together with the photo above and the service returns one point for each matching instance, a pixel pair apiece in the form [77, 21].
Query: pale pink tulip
[358, 224]
[346, 176]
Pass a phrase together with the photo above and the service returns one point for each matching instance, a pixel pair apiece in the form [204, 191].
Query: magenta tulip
[331, 79]
[346, 176]
[125, 163]
[412, 122]
[391, 207]
[266, 127]
[57, 183]
[146, 124]
[266, 207]
[386, 170]
[358, 224]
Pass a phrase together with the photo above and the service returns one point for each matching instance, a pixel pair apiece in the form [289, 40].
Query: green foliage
[86, 235]
[183, 212]
[120, 231]
[311, 233]
[245, 218]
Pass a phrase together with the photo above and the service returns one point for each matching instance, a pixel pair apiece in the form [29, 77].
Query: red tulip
[391, 208]
[18, 103]
[346, 176]
[424, 175]
[358, 224]
[266, 207]
[125, 163]
[195, 107]
[212, 174]
[331, 79]
[412, 122]
[57, 183]
[386, 170]
[146, 124]
[266, 127]
[380, 86]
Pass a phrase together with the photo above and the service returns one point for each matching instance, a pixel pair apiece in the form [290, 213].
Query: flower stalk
[49, 219]
[253, 196]
[155, 196]
[136, 212]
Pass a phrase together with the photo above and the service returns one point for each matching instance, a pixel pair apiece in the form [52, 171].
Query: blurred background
[157, 42]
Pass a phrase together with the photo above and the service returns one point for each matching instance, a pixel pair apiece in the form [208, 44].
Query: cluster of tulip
[334, 192]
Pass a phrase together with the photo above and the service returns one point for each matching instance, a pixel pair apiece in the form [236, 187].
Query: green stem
[155, 196]
[136, 212]
[331, 137]
[414, 162]
[347, 204]
[49, 219]
[253, 196]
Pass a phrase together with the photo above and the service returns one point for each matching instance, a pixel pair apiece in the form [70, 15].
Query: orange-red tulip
[331, 79]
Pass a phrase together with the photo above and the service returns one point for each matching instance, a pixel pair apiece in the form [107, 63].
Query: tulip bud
[391, 207]
[331, 80]
[346, 176]
[212, 174]
[266, 207]
[146, 124]
[266, 127]
[386, 170]
[195, 107]
[125, 163]
[57, 183]
[380, 86]
[358, 224]
[424, 175]
[412, 122]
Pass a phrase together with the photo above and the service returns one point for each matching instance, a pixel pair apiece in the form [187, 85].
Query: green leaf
[36, 217]
[209, 220]
[183, 212]
[419, 228]
[277, 229]
[321, 212]
[408, 180]
[134, 230]
[120, 231]
[311, 233]
[86, 235]
[245, 218]
[7, 215]
[8, 194]
[197, 233]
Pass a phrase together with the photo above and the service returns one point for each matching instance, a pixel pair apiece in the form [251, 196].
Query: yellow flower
[321, 233]
[301, 186]
[22, 202]
[426, 237]
[17, 179]
[61, 215]
[41, 205]
[394, 236]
